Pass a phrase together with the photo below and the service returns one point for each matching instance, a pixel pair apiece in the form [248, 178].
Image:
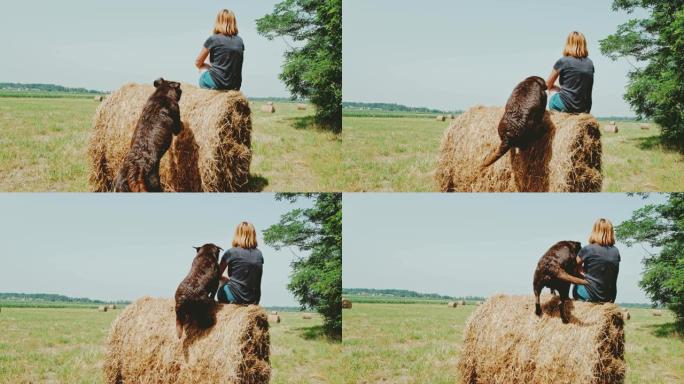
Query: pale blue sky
[455, 54]
[112, 247]
[474, 244]
[101, 44]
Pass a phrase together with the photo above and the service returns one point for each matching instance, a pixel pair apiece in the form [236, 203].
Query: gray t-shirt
[245, 267]
[225, 55]
[601, 267]
[576, 83]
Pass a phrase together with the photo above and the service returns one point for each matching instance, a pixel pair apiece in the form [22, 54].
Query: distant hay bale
[611, 128]
[111, 307]
[98, 98]
[452, 117]
[440, 118]
[212, 153]
[143, 346]
[505, 342]
[452, 304]
[612, 122]
[645, 126]
[301, 107]
[657, 313]
[346, 304]
[274, 312]
[567, 159]
[268, 108]
[103, 308]
[463, 302]
[626, 315]
[273, 319]
[307, 316]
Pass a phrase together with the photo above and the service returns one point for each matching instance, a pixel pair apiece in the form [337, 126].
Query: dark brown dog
[522, 122]
[195, 294]
[557, 269]
[159, 121]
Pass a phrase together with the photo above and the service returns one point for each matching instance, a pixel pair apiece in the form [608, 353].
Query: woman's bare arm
[223, 271]
[200, 61]
[551, 81]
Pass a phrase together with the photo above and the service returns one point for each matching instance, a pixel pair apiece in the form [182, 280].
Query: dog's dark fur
[557, 269]
[159, 121]
[195, 294]
[522, 123]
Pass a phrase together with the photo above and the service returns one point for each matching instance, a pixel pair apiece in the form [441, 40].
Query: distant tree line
[51, 297]
[46, 88]
[404, 293]
[393, 107]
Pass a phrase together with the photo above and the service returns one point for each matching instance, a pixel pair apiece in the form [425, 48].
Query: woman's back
[576, 81]
[226, 56]
[245, 268]
[601, 267]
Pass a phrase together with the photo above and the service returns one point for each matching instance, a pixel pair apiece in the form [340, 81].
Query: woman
[601, 264]
[576, 73]
[241, 268]
[225, 50]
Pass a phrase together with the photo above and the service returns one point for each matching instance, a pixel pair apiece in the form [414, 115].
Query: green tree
[656, 88]
[313, 68]
[661, 226]
[316, 280]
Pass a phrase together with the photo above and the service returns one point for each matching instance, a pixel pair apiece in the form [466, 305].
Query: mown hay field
[421, 343]
[44, 143]
[401, 153]
[67, 345]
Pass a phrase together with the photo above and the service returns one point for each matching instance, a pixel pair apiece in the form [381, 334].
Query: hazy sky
[101, 44]
[455, 54]
[114, 247]
[474, 244]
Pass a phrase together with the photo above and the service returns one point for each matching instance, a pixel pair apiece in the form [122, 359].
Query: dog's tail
[496, 155]
[571, 279]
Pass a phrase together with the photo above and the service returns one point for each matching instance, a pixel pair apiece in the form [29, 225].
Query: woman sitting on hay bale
[225, 50]
[601, 264]
[576, 72]
[241, 268]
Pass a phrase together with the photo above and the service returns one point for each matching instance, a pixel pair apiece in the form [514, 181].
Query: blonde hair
[245, 236]
[576, 45]
[602, 233]
[226, 23]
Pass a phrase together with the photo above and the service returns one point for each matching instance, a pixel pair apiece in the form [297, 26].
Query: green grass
[44, 147]
[421, 343]
[400, 154]
[67, 345]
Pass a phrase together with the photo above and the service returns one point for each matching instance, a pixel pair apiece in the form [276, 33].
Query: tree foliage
[316, 280]
[656, 89]
[313, 68]
[661, 226]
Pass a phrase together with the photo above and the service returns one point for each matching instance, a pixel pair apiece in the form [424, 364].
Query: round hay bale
[463, 302]
[274, 312]
[102, 308]
[440, 118]
[143, 346]
[307, 316]
[452, 304]
[626, 314]
[657, 313]
[211, 154]
[98, 98]
[505, 342]
[273, 319]
[568, 159]
[452, 117]
[645, 126]
[301, 107]
[612, 122]
[346, 304]
[611, 128]
[268, 108]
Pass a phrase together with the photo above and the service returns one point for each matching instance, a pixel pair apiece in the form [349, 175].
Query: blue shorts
[579, 292]
[205, 81]
[556, 104]
[225, 295]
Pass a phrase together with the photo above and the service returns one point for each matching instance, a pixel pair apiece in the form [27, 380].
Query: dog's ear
[158, 82]
[197, 248]
[174, 84]
[219, 248]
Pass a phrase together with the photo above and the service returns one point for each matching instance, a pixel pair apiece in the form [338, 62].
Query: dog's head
[210, 249]
[171, 88]
[575, 247]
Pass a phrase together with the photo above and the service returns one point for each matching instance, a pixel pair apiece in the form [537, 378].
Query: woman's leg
[224, 295]
[580, 293]
[206, 82]
[555, 103]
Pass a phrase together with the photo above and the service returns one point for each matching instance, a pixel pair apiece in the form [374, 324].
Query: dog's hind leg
[564, 291]
[537, 305]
